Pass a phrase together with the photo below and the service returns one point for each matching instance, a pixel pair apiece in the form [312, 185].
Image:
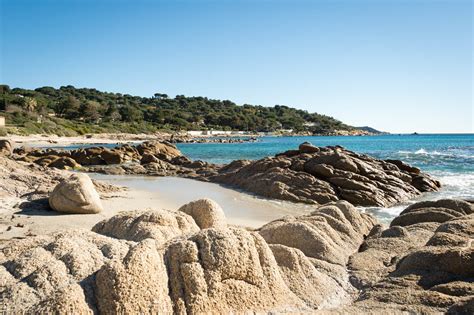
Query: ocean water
[447, 157]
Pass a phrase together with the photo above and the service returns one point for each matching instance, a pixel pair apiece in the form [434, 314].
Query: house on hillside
[2, 121]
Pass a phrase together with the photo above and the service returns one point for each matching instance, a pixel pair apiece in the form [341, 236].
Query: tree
[160, 96]
[29, 104]
[130, 113]
[112, 113]
[68, 107]
[90, 111]
[4, 89]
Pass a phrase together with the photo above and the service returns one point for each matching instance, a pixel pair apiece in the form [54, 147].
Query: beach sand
[170, 193]
[49, 140]
[156, 193]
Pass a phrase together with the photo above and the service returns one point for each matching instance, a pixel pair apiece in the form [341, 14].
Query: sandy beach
[142, 193]
[49, 140]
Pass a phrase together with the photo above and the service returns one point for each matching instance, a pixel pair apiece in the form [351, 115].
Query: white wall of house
[2, 121]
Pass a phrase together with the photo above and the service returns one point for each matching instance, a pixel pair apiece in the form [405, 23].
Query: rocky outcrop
[422, 266]
[6, 147]
[335, 259]
[153, 158]
[314, 175]
[331, 233]
[76, 194]
[319, 175]
[103, 156]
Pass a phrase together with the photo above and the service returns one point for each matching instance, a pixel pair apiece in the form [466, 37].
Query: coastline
[142, 232]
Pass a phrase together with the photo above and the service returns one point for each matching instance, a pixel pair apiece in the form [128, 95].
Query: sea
[447, 157]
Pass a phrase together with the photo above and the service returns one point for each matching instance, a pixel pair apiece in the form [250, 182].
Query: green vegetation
[71, 111]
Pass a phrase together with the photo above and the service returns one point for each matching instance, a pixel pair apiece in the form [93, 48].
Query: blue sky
[399, 66]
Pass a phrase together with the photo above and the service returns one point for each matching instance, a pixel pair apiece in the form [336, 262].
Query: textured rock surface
[226, 270]
[55, 273]
[138, 284]
[206, 213]
[324, 174]
[6, 147]
[76, 194]
[331, 233]
[424, 266]
[334, 260]
[161, 225]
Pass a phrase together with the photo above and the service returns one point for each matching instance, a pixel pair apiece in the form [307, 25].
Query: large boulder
[112, 156]
[6, 147]
[55, 273]
[318, 175]
[88, 156]
[206, 213]
[433, 211]
[307, 147]
[138, 284]
[227, 270]
[330, 233]
[76, 194]
[162, 149]
[64, 163]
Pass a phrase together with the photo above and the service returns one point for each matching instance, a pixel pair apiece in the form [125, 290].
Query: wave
[454, 185]
[449, 153]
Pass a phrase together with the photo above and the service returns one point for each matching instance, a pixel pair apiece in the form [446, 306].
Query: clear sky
[398, 66]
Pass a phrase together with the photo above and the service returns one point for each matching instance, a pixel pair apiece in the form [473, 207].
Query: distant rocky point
[372, 130]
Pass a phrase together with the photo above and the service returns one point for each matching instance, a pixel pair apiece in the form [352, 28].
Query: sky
[395, 65]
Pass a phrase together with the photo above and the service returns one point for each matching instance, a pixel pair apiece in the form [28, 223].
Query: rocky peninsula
[335, 259]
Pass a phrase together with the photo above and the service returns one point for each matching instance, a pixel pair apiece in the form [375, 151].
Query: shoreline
[121, 138]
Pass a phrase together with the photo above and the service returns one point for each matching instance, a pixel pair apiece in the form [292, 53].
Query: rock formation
[76, 194]
[335, 259]
[419, 264]
[314, 175]
[139, 225]
[319, 175]
[6, 147]
[154, 158]
[206, 213]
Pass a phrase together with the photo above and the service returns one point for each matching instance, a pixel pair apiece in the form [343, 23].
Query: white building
[2, 121]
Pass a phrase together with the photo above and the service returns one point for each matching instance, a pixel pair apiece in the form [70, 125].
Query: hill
[69, 111]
